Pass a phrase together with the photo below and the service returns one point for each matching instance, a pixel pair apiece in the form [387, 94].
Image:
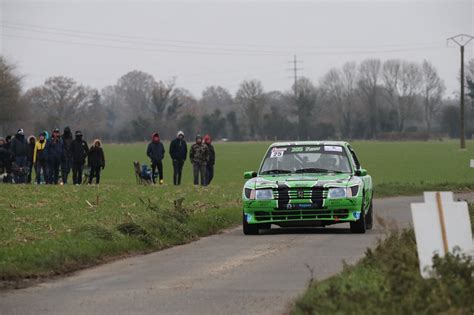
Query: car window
[354, 157]
[306, 159]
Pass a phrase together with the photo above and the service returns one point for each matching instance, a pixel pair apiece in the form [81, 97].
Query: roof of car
[295, 143]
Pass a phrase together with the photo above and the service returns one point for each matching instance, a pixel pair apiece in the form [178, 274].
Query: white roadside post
[441, 224]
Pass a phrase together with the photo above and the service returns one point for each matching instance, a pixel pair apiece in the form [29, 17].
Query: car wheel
[359, 226]
[249, 229]
[369, 218]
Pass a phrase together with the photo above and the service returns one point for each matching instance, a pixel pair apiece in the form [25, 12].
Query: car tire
[369, 218]
[249, 229]
[359, 226]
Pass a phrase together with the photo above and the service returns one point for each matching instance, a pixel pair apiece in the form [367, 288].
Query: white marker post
[471, 163]
[440, 225]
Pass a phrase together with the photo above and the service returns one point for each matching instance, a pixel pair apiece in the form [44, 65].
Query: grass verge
[387, 281]
[72, 228]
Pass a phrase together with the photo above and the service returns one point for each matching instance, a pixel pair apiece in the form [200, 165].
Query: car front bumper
[332, 210]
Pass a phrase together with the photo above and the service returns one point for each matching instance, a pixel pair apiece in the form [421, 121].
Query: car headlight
[264, 194]
[338, 192]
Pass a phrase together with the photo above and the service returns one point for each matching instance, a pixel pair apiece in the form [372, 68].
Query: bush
[388, 281]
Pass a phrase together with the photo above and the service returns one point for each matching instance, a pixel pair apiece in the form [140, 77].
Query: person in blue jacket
[54, 152]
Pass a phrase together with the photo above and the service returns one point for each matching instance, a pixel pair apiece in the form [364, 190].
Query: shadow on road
[305, 230]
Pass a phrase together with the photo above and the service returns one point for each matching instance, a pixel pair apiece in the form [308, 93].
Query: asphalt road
[227, 273]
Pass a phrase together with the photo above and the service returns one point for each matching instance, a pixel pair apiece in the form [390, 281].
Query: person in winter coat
[178, 153]
[96, 161]
[156, 153]
[79, 152]
[212, 159]
[199, 156]
[39, 159]
[19, 148]
[8, 142]
[66, 160]
[31, 151]
[54, 153]
[6, 159]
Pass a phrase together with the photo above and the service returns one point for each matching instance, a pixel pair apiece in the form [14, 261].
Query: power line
[187, 42]
[295, 70]
[461, 40]
[164, 45]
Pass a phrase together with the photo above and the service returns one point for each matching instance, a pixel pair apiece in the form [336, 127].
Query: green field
[48, 230]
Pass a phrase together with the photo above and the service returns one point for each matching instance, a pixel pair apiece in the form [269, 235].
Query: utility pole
[462, 40]
[295, 70]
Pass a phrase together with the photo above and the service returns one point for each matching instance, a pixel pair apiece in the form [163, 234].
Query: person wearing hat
[79, 152]
[212, 159]
[66, 160]
[39, 158]
[178, 153]
[199, 156]
[54, 153]
[19, 148]
[156, 152]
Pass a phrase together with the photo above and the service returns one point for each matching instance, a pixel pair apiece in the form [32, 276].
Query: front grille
[283, 194]
[314, 214]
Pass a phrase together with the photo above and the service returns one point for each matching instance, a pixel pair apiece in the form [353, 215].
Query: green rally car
[308, 183]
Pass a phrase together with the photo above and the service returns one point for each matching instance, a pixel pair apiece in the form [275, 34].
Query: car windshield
[306, 159]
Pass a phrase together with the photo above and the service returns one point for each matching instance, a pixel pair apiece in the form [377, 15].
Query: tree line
[373, 99]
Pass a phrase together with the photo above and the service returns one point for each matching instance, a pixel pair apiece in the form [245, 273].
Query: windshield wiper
[311, 170]
[276, 171]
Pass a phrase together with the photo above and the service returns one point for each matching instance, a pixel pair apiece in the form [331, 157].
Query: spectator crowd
[50, 158]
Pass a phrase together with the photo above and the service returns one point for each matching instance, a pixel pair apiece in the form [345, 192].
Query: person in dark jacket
[6, 159]
[199, 155]
[54, 153]
[212, 159]
[8, 142]
[31, 152]
[96, 161]
[66, 160]
[19, 148]
[79, 152]
[178, 153]
[156, 153]
[39, 159]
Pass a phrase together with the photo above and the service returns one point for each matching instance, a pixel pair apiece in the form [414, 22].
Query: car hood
[302, 180]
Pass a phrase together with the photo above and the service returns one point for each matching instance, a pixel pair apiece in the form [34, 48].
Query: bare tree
[161, 99]
[305, 105]
[179, 99]
[433, 89]
[369, 76]
[252, 99]
[402, 82]
[61, 99]
[11, 108]
[339, 87]
[216, 97]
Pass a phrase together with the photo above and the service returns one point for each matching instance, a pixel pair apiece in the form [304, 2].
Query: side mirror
[250, 174]
[361, 172]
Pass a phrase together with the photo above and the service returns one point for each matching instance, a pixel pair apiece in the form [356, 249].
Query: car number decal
[332, 148]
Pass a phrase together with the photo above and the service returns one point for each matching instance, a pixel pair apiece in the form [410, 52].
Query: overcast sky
[225, 42]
